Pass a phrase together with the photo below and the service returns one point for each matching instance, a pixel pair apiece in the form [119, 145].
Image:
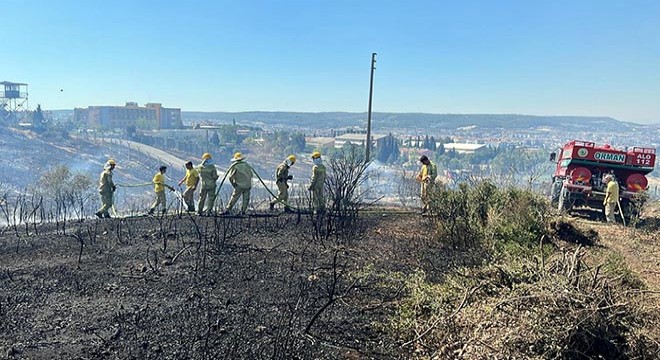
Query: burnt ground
[203, 288]
[208, 288]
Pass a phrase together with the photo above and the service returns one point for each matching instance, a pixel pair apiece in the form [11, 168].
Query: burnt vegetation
[489, 273]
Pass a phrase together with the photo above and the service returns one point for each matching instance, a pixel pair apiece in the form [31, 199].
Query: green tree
[38, 119]
[283, 143]
[389, 151]
[441, 149]
[297, 142]
[130, 131]
[215, 139]
[68, 193]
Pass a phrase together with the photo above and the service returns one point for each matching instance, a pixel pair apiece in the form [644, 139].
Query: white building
[320, 142]
[358, 139]
[462, 148]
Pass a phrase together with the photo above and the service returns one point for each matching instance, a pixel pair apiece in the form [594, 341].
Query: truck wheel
[564, 202]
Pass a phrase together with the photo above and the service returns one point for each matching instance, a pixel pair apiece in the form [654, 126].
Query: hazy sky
[554, 57]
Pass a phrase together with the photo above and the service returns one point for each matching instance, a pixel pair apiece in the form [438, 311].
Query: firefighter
[611, 197]
[426, 178]
[191, 179]
[281, 178]
[208, 175]
[317, 181]
[159, 188]
[240, 177]
[106, 189]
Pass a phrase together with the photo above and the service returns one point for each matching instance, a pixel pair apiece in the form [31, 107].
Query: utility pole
[371, 93]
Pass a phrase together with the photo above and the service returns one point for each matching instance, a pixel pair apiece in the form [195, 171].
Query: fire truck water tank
[636, 182]
[581, 175]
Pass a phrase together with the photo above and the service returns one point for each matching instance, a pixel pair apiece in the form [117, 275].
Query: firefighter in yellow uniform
[191, 179]
[281, 178]
[240, 177]
[208, 176]
[159, 188]
[611, 197]
[317, 182]
[106, 189]
[426, 178]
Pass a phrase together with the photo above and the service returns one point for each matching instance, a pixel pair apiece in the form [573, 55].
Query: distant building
[348, 130]
[320, 142]
[359, 139]
[461, 148]
[151, 116]
[13, 101]
[167, 118]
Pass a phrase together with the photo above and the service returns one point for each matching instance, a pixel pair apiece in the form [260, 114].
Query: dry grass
[586, 290]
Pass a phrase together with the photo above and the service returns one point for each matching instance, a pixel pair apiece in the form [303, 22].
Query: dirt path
[172, 160]
[638, 245]
[150, 151]
[639, 248]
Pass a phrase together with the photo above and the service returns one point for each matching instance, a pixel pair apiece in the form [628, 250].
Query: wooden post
[371, 91]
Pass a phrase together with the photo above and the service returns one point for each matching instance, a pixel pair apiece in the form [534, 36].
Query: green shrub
[523, 299]
[481, 216]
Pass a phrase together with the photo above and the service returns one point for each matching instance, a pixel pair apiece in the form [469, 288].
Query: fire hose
[178, 195]
[260, 180]
[618, 203]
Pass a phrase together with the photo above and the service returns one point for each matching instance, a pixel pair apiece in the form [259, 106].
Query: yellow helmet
[316, 155]
[237, 157]
[112, 162]
[292, 158]
[206, 156]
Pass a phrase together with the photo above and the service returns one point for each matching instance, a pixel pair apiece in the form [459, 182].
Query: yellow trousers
[106, 202]
[208, 196]
[159, 200]
[188, 198]
[609, 212]
[282, 193]
[318, 198]
[425, 195]
[238, 192]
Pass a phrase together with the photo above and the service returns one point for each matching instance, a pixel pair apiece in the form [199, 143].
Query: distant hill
[405, 120]
[411, 120]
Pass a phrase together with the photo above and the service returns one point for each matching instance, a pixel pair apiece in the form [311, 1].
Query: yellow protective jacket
[106, 185]
[282, 173]
[428, 173]
[240, 175]
[612, 192]
[192, 178]
[159, 182]
[209, 175]
[318, 177]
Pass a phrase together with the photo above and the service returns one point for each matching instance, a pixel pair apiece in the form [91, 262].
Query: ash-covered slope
[26, 157]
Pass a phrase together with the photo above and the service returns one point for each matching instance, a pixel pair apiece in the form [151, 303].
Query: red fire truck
[582, 165]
